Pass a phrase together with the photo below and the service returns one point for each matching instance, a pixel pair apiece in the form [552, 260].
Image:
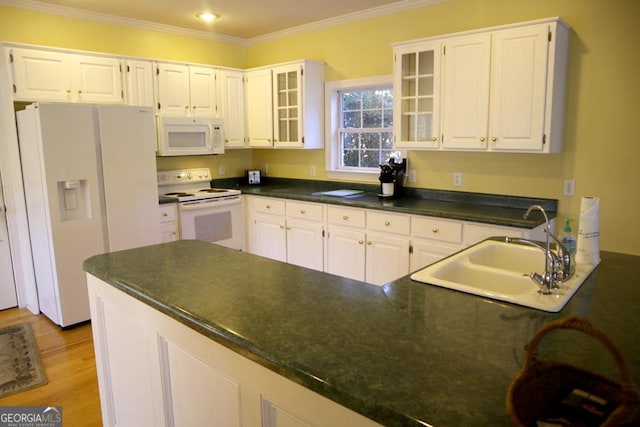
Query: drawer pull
[387, 223]
[268, 206]
[302, 211]
[345, 217]
[165, 214]
[434, 230]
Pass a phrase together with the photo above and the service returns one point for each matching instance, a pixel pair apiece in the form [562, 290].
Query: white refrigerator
[90, 185]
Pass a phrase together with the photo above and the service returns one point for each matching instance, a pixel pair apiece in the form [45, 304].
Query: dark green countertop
[402, 354]
[477, 207]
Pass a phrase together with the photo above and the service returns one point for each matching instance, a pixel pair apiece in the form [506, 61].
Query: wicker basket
[541, 384]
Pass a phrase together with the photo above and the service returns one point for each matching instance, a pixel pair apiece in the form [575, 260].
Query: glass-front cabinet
[417, 95]
[287, 93]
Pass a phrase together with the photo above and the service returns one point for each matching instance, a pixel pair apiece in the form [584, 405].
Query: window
[365, 130]
[359, 127]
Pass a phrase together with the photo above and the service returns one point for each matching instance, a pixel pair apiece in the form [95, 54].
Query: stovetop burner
[202, 194]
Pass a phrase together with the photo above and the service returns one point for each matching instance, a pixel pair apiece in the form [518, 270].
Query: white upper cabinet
[259, 108]
[43, 75]
[519, 87]
[186, 90]
[139, 82]
[466, 89]
[231, 96]
[286, 105]
[417, 95]
[502, 90]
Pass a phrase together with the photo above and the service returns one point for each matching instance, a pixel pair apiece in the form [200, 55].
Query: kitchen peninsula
[187, 325]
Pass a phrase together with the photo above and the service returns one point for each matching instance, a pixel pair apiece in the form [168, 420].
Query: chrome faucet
[558, 266]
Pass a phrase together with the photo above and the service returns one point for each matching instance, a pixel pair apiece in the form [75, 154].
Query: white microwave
[190, 136]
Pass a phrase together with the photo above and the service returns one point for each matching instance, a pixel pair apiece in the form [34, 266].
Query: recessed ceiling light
[207, 16]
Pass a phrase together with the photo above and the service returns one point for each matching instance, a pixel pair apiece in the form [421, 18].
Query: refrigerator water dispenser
[73, 200]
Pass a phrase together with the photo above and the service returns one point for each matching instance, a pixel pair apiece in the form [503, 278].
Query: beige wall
[601, 150]
[600, 153]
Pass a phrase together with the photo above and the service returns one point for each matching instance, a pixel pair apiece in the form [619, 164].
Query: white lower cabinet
[369, 246]
[288, 231]
[154, 371]
[346, 252]
[169, 222]
[433, 239]
[362, 244]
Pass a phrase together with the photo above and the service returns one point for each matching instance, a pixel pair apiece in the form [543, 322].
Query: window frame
[333, 121]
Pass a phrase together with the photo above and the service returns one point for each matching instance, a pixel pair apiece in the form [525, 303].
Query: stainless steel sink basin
[499, 270]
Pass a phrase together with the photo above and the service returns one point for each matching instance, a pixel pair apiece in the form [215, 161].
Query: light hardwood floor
[70, 364]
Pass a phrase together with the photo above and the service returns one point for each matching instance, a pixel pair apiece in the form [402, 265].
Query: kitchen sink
[497, 269]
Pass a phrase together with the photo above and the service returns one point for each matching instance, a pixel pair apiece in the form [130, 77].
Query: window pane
[372, 119]
[349, 141]
[372, 99]
[387, 141]
[351, 101]
[370, 159]
[350, 158]
[351, 119]
[387, 118]
[371, 141]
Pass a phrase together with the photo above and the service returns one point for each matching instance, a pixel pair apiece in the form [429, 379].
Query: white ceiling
[242, 19]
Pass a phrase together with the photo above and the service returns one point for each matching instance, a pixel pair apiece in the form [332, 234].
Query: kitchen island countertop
[401, 354]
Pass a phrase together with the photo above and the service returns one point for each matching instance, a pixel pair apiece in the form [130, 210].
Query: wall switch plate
[412, 176]
[457, 179]
[312, 170]
[265, 169]
[569, 187]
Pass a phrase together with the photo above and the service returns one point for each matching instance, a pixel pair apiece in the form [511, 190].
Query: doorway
[8, 296]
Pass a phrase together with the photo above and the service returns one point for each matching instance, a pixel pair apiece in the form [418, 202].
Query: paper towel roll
[588, 244]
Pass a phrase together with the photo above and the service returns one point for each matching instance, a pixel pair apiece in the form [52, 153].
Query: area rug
[21, 367]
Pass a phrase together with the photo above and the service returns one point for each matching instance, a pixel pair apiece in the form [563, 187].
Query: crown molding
[104, 18]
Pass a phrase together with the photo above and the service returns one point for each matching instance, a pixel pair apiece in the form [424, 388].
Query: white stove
[189, 185]
[214, 215]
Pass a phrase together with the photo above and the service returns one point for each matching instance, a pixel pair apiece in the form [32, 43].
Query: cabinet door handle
[288, 228]
[282, 226]
[345, 217]
[302, 211]
[268, 206]
[482, 139]
[434, 230]
[360, 242]
[164, 214]
[494, 139]
[369, 242]
[387, 223]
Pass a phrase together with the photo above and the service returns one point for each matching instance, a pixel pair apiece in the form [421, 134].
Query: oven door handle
[211, 203]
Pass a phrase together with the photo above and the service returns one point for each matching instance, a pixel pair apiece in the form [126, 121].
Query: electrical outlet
[457, 179]
[312, 170]
[265, 168]
[222, 170]
[569, 188]
[412, 176]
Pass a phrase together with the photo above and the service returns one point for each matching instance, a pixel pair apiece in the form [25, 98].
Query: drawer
[436, 229]
[268, 206]
[391, 223]
[302, 210]
[346, 216]
[168, 212]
